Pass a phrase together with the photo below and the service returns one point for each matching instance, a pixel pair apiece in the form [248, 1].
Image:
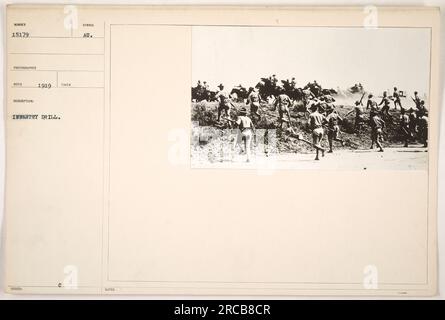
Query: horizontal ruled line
[80, 87]
[43, 89]
[41, 70]
[59, 54]
[55, 37]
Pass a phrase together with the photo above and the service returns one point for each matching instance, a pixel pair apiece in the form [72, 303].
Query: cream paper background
[107, 192]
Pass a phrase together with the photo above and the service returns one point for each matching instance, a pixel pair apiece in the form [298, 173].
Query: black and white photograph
[310, 97]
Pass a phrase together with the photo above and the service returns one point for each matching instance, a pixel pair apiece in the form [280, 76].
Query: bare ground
[395, 158]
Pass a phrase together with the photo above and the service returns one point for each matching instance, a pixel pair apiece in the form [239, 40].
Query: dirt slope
[205, 114]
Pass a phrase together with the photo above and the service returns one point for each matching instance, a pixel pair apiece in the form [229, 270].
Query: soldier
[316, 121]
[372, 105]
[421, 109]
[404, 127]
[293, 83]
[385, 102]
[274, 80]
[201, 91]
[412, 122]
[283, 102]
[416, 99]
[359, 119]
[396, 98]
[246, 131]
[307, 97]
[377, 126]
[423, 128]
[224, 102]
[333, 119]
[316, 88]
[327, 98]
[254, 100]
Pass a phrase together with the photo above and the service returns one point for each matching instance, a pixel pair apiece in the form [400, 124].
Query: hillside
[206, 115]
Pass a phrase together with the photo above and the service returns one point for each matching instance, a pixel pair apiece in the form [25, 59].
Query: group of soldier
[323, 116]
[203, 85]
[413, 122]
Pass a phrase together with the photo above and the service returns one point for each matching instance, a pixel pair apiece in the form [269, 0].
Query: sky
[336, 57]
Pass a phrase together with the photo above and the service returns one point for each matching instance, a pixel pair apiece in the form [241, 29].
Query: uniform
[274, 80]
[254, 99]
[333, 129]
[423, 129]
[386, 103]
[397, 101]
[422, 122]
[421, 111]
[246, 127]
[371, 104]
[307, 97]
[224, 102]
[404, 127]
[377, 125]
[412, 122]
[417, 101]
[333, 120]
[358, 117]
[283, 103]
[316, 121]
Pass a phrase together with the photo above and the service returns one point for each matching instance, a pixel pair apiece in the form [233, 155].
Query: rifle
[406, 131]
[361, 99]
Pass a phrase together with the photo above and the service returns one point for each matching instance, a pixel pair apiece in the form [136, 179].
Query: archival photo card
[221, 150]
